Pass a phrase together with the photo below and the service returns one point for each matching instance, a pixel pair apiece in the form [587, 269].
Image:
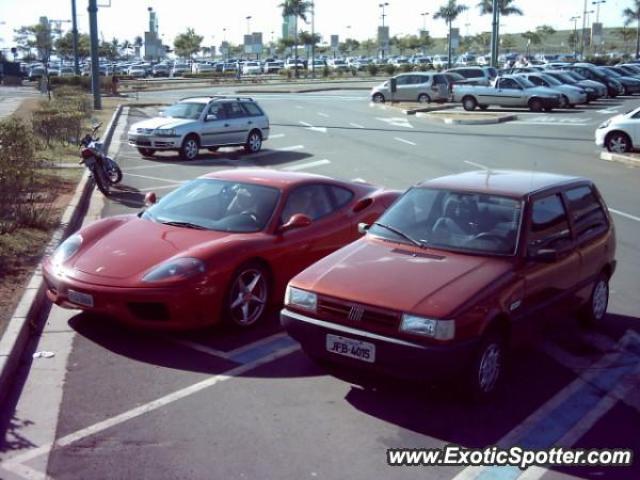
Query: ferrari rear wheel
[248, 296]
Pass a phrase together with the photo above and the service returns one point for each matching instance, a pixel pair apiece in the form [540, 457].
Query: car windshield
[525, 83]
[565, 77]
[611, 72]
[188, 110]
[551, 80]
[453, 220]
[218, 205]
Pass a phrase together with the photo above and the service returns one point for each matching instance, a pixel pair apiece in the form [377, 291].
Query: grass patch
[21, 250]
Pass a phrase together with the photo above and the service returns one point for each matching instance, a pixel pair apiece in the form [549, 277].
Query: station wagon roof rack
[216, 97]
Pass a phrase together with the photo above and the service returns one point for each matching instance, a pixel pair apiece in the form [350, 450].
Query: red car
[222, 246]
[454, 271]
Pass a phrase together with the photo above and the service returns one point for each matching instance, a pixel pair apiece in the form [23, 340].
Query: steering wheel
[251, 215]
[488, 236]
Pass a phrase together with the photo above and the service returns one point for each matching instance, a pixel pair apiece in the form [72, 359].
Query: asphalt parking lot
[115, 403]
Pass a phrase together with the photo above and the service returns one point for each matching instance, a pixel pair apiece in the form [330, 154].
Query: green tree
[508, 42]
[532, 38]
[369, 45]
[349, 46]
[284, 44]
[64, 46]
[632, 14]
[545, 31]
[482, 40]
[37, 37]
[572, 41]
[296, 9]
[187, 44]
[625, 35]
[505, 8]
[449, 13]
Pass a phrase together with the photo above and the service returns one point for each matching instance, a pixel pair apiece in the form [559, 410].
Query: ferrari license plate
[349, 347]
[80, 298]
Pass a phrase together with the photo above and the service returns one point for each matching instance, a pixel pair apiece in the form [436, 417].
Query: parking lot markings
[356, 125]
[478, 165]
[625, 215]
[408, 142]
[166, 180]
[323, 114]
[304, 166]
[277, 135]
[582, 401]
[255, 359]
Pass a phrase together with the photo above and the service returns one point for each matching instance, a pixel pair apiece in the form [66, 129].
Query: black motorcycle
[105, 170]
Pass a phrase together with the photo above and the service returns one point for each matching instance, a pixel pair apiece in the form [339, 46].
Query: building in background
[289, 27]
[153, 49]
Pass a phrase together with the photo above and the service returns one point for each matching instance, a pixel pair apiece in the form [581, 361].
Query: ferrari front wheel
[248, 296]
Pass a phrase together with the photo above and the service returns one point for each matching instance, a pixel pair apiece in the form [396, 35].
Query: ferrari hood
[390, 275]
[132, 247]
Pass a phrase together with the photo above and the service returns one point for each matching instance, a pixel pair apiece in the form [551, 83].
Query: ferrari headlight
[300, 298]
[165, 132]
[429, 327]
[67, 249]
[176, 269]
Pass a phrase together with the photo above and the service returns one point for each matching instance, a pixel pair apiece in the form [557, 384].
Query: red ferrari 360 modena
[220, 247]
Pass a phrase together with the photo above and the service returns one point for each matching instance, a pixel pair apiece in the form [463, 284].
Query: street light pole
[382, 5]
[248, 17]
[74, 33]
[313, 39]
[95, 67]
[424, 20]
[575, 34]
[495, 33]
[584, 29]
[597, 3]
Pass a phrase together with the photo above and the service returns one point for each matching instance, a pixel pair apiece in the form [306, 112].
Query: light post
[597, 3]
[587, 35]
[424, 16]
[382, 5]
[575, 34]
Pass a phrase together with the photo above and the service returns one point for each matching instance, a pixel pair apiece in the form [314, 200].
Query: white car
[440, 61]
[202, 68]
[620, 133]
[251, 68]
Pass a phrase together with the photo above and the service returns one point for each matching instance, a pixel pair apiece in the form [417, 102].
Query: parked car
[137, 72]
[291, 64]
[614, 87]
[251, 68]
[202, 122]
[273, 67]
[509, 91]
[472, 262]
[476, 75]
[593, 89]
[620, 133]
[420, 87]
[35, 73]
[202, 68]
[570, 96]
[630, 84]
[464, 60]
[440, 61]
[179, 69]
[219, 248]
[161, 70]
[337, 65]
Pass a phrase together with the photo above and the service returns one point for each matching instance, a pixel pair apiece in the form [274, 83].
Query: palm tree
[449, 13]
[632, 14]
[296, 9]
[506, 8]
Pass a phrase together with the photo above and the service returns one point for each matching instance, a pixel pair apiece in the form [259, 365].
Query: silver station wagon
[202, 122]
[421, 87]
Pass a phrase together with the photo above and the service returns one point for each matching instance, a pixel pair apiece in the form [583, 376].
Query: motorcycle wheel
[102, 181]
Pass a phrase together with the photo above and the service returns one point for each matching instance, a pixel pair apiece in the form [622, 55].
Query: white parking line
[323, 114]
[304, 166]
[15, 464]
[551, 124]
[404, 141]
[356, 125]
[144, 167]
[306, 124]
[264, 153]
[150, 178]
[312, 128]
[153, 189]
[474, 164]
[625, 215]
[277, 135]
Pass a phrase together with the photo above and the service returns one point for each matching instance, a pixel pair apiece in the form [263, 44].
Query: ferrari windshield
[452, 220]
[190, 110]
[213, 204]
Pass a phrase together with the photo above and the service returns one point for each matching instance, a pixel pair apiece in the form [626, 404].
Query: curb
[412, 111]
[632, 160]
[304, 90]
[27, 318]
[470, 121]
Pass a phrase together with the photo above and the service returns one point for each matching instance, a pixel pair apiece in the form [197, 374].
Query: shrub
[373, 69]
[354, 72]
[389, 69]
[325, 71]
[17, 174]
[53, 123]
[407, 67]
[83, 82]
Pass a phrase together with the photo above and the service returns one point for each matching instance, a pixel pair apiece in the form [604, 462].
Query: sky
[126, 19]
